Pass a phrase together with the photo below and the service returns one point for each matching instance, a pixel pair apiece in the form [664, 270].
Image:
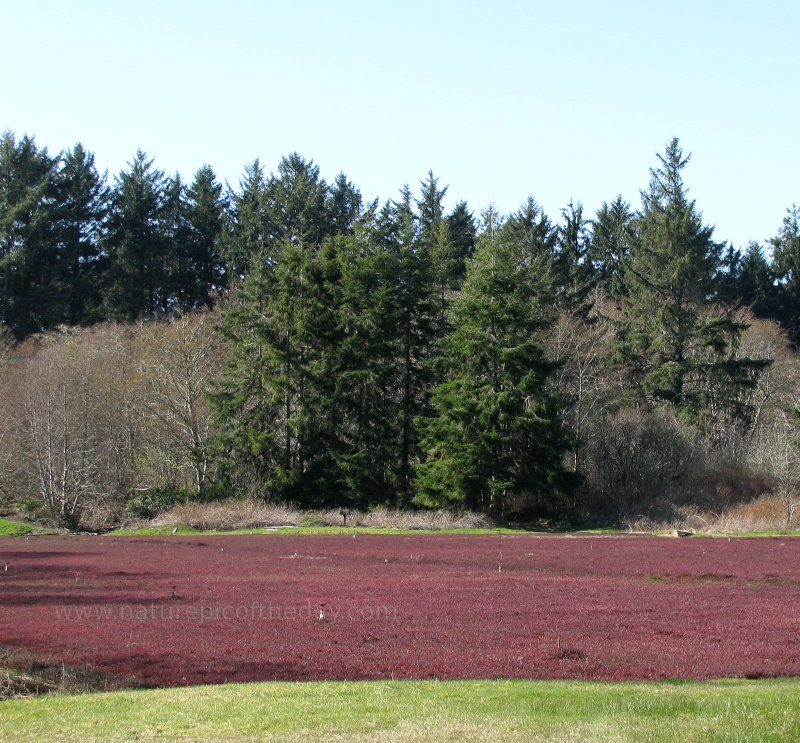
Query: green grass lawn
[430, 711]
[13, 528]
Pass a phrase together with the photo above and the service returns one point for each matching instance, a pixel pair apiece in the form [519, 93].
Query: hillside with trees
[287, 341]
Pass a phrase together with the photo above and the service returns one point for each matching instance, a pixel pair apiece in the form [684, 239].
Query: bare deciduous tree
[585, 378]
[175, 363]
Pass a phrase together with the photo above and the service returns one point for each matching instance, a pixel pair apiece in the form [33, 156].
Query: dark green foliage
[244, 230]
[243, 399]
[293, 206]
[52, 213]
[83, 207]
[359, 406]
[412, 316]
[74, 252]
[296, 204]
[388, 354]
[574, 270]
[495, 435]
[278, 404]
[201, 274]
[534, 239]
[610, 245]
[786, 267]
[430, 209]
[675, 338]
[282, 410]
[331, 338]
[344, 206]
[178, 282]
[143, 202]
[430, 239]
[28, 236]
[163, 242]
[150, 503]
[461, 235]
[749, 280]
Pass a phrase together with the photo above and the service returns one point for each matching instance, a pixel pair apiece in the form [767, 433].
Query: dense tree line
[366, 353]
[75, 250]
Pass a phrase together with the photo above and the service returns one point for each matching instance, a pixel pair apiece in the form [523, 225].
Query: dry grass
[251, 514]
[764, 514]
[228, 515]
[394, 518]
[767, 513]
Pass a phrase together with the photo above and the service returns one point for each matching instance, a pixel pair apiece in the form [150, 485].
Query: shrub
[249, 513]
[28, 506]
[152, 502]
[637, 456]
[761, 514]
[236, 513]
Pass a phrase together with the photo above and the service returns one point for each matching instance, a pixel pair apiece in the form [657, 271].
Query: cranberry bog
[180, 610]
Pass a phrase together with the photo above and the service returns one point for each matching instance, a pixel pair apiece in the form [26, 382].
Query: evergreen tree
[675, 337]
[344, 206]
[574, 270]
[786, 267]
[755, 283]
[610, 245]
[462, 233]
[494, 436]
[177, 276]
[28, 241]
[430, 208]
[277, 403]
[435, 241]
[410, 324]
[360, 401]
[204, 214]
[728, 289]
[245, 401]
[82, 210]
[137, 241]
[244, 230]
[290, 307]
[296, 200]
[324, 372]
[533, 238]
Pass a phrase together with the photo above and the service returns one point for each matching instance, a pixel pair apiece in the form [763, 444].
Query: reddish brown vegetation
[247, 608]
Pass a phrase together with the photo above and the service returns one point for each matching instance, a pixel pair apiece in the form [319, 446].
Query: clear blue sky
[560, 100]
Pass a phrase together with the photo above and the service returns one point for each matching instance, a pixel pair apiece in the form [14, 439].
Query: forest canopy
[286, 340]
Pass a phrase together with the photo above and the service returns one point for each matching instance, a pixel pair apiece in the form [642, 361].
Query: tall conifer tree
[494, 436]
[82, 211]
[786, 266]
[678, 340]
[244, 237]
[610, 244]
[138, 242]
[204, 213]
[29, 245]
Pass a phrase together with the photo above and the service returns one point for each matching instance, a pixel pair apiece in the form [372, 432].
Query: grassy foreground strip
[431, 711]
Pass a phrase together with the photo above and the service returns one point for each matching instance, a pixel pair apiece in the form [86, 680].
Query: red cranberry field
[208, 609]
